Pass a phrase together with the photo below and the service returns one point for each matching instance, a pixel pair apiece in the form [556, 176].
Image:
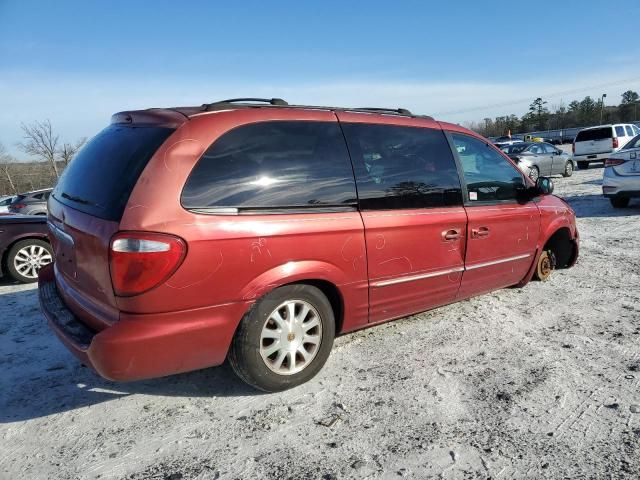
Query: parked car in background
[255, 231]
[540, 159]
[31, 203]
[24, 246]
[621, 180]
[595, 144]
[4, 203]
[505, 141]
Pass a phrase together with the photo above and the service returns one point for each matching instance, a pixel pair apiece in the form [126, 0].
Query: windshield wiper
[77, 199]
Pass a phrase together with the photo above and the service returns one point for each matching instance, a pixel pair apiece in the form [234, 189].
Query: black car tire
[619, 202]
[534, 173]
[245, 356]
[11, 256]
[582, 165]
[568, 169]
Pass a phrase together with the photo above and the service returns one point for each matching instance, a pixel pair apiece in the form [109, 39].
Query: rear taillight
[140, 261]
[17, 206]
[614, 142]
[613, 162]
[573, 148]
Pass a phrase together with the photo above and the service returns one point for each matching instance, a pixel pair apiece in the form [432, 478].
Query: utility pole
[602, 106]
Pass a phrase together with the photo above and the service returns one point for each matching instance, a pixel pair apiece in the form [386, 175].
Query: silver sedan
[540, 159]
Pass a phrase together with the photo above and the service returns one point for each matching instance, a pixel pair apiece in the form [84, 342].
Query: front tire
[568, 169]
[619, 202]
[285, 338]
[26, 258]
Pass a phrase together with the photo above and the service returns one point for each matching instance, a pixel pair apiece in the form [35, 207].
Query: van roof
[174, 116]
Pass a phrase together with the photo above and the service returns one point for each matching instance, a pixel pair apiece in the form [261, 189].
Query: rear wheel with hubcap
[568, 169]
[285, 339]
[26, 258]
[534, 173]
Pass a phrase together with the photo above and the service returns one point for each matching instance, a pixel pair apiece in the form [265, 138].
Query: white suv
[595, 144]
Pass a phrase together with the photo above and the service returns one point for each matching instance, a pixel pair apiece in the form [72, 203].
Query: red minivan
[257, 231]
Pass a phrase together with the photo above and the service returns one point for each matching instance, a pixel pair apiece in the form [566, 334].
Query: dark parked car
[257, 232]
[24, 246]
[31, 203]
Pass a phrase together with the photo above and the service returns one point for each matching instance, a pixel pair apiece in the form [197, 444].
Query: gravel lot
[539, 382]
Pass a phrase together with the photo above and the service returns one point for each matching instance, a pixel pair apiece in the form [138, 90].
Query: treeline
[583, 113]
[50, 156]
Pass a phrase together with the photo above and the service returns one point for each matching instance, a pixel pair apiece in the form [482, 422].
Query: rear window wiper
[77, 199]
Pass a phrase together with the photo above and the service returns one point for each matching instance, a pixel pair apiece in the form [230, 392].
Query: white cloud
[81, 106]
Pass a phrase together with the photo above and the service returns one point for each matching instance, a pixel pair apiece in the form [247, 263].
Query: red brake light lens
[613, 162]
[140, 261]
[615, 143]
[17, 205]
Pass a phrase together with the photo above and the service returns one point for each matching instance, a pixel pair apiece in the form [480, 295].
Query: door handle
[450, 235]
[480, 232]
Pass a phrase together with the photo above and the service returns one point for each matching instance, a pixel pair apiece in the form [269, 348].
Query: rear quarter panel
[239, 258]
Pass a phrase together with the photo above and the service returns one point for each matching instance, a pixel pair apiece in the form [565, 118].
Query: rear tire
[267, 351]
[583, 165]
[568, 169]
[534, 173]
[26, 257]
[619, 202]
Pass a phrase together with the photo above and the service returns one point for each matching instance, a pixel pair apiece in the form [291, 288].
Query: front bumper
[141, 346]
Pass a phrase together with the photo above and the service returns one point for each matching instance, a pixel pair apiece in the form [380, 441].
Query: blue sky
[77, 62]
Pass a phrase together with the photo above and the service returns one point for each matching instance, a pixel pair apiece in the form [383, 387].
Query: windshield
[633, 143]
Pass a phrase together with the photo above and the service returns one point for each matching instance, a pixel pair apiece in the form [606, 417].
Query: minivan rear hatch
[594, 140]
[88, 203]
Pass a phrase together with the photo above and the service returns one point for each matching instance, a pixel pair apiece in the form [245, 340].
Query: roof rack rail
[222, 103]
[401, 111]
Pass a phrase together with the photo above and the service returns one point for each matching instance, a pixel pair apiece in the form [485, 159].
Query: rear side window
[402, 167]
[273, 165]
[99, 180]
[594, 134]
[620, 131]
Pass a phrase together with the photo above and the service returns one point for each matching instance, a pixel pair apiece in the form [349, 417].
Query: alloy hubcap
[291, 337]
[533, 174]
[30, 259]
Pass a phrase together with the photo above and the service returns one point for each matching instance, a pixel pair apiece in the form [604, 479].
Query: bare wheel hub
[291, 337]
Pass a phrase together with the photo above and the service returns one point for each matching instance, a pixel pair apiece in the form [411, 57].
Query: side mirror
[544, 186]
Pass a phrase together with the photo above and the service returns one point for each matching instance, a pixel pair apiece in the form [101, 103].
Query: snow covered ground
[539, 382]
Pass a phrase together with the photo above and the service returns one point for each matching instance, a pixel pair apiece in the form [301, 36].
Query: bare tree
[5, 159]
[41, 142]
[68, 150]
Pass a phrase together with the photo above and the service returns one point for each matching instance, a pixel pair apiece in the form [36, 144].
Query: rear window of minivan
[100, 178]
[594, 134]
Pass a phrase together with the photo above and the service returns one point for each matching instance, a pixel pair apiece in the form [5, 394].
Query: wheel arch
[563, 245]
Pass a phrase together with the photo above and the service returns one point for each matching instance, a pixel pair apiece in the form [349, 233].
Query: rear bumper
[143, 346]
[614, 185]
[592, 157]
